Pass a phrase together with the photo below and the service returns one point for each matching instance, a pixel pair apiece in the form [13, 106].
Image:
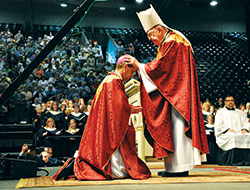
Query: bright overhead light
[213, 3]
[122, 8]
[64, 5]
[139, 1]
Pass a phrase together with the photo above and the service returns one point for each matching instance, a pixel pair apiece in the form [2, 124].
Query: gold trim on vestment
[107, 79]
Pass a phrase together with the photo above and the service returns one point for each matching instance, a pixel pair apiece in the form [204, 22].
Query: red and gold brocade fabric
[108, 129]
[173, 71]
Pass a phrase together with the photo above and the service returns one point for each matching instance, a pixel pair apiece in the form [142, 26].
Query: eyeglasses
[229, 100]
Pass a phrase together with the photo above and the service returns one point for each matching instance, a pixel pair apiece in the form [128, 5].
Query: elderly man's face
[155, 35]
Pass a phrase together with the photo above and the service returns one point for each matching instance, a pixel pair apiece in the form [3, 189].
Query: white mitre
[149, 18]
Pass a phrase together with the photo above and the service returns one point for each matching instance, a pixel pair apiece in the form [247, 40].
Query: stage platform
[205, 177]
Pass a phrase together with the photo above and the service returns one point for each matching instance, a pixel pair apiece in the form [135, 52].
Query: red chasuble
[173, 71]
[108, 129]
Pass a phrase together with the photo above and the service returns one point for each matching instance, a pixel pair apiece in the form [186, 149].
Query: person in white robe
[231, 127]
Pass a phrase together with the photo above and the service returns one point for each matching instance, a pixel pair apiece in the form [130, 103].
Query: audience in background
[49, 81]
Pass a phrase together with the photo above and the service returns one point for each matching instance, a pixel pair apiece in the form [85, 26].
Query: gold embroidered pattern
[173, 37]
[107, 79]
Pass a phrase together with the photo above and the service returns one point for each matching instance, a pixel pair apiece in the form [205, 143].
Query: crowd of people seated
[72, 71]
[66, 120]
[54, 95]
[59, 127]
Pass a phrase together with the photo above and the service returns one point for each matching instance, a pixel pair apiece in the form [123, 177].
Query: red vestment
[108, 129]
[173, 71]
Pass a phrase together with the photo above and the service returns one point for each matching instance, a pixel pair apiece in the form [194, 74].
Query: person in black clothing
[46, 136]
[72, 142]
[48, 158]
[56, 115]
[219, 104]
[29, 153]
[80, 118]
[38, 119]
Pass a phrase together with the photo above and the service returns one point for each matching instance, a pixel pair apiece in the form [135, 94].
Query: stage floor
[11, 184]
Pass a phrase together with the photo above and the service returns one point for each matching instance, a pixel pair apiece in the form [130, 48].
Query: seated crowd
[66, 120]
[58, 128]
[72, 71]
[54, 95]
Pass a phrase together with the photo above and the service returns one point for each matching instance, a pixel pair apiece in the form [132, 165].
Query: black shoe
[178, 174]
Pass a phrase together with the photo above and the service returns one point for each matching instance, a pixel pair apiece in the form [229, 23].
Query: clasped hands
[243, 131]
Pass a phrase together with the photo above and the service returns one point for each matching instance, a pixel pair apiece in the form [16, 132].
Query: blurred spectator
[46, 136]
[131, 49]
[219, 104]
[210, 125]
[88, 107]
[43, 82]
[52, 79]
[60, 82]
[91, 61]
[137, 45]
[79, 117]
[39, 72]
[205, 110]
[242, 107]
[36, 104]
[29, 153]
[95, 48]
[56, 115]
[212, 110]
[69, 76]
[50, 92]
[86, 68]
[108, 67]
[100, 65]
[38, 119]
[120, 50]
[247, 111]
[72, 142]
[48, 158]
[40, 94]
[79, 78]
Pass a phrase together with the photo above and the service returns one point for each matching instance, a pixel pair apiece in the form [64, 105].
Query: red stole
[174, 73]
[107, 129]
